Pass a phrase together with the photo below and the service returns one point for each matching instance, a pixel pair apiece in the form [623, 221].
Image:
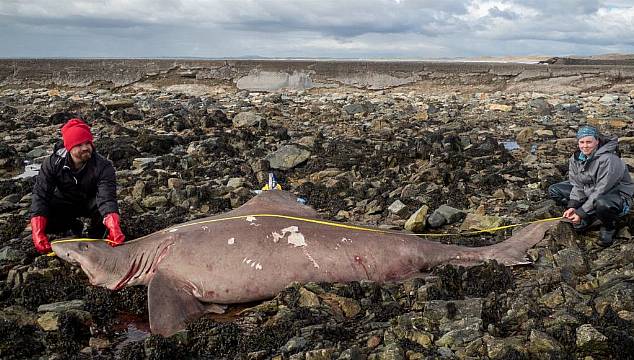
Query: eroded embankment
[269, 75]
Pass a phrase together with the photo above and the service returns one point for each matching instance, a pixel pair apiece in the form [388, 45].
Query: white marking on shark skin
[290, 229]
[231, 241]
[205, 228]
[276, 237]
[310, 257]
[297, 239]
[343, 240]
[172, 230]
[252, 263]
[250, 218]
[294, 237]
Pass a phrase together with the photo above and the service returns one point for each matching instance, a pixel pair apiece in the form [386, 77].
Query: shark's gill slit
[127, 277]
[140, 269]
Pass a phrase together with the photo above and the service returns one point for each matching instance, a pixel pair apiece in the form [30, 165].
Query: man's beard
[85, 155]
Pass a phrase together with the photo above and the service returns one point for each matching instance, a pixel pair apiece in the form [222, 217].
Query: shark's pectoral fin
[171, 304]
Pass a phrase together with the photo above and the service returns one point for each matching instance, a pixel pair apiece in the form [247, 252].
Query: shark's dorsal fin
[277, 202]
[171, 304]
[274, 202]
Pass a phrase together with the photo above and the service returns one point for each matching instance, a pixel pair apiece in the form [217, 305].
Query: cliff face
[271, 75]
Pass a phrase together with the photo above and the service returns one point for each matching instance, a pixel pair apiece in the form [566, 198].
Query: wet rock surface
[436, 158]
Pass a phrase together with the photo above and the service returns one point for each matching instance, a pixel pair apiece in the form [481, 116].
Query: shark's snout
[97, 259]
[72, 252]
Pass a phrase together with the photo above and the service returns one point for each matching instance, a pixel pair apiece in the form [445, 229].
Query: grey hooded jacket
[602, 173]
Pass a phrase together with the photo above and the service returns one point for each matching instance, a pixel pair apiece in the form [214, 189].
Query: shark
[256, 250]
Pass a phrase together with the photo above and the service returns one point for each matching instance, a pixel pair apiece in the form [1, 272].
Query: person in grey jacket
[599, 185]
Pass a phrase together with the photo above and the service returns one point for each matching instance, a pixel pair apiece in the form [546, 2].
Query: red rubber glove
[40, 240]
[115, 235]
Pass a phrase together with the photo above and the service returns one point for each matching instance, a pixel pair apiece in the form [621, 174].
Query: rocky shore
[427, 147]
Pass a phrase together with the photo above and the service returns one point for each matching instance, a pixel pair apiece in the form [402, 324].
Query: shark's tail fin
[512, 251]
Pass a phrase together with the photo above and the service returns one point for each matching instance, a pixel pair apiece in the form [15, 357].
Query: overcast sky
[411, 29]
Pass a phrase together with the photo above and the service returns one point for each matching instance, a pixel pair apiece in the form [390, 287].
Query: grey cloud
[78, 21]
[505, 14]
[284, 28]
[347, 19]
[339, 18]
[571, 7]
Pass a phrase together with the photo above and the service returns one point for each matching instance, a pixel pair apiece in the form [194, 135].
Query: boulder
[287, 157]
[247, 119]
[445, 214]
[476, 222]
[416, 221]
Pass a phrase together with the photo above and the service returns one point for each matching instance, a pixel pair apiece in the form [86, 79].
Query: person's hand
[568, 214]
[115, 235]
[575, 219]
[40, 240]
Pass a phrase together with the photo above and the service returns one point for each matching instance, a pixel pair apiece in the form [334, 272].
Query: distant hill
[605, 59]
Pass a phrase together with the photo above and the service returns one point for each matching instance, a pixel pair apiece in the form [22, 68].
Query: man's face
[82, 152]
[588, 144]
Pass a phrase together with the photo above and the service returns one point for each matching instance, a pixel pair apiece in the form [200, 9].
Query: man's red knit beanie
[75, 132]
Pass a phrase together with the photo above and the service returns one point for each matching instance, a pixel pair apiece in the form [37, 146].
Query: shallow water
[30, 170]
[132, 328]
[510, 145]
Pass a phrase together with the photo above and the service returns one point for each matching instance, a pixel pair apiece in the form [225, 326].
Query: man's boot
[606, 235]
[585, 224]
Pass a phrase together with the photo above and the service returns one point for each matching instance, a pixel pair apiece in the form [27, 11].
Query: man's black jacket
[56, 181]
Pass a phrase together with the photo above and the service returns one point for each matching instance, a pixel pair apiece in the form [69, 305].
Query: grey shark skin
[196, 267]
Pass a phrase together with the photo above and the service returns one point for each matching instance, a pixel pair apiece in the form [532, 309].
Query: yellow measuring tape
[52, 253]
[330, 223]
[354, 227]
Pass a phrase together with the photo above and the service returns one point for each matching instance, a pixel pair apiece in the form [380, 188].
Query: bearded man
[75, 182]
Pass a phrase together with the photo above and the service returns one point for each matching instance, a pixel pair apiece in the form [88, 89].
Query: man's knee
[606, 207]
[556, 193]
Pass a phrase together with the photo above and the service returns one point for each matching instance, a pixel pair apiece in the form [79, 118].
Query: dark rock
[155, 144]
[61, 117]
[10, 161]
[541, 106]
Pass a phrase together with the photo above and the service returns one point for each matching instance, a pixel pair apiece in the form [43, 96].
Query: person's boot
[606, 235]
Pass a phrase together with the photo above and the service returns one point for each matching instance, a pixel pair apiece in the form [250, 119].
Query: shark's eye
[83, 247]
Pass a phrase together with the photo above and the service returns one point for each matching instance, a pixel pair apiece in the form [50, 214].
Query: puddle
[510, 145]
[131, 328]
[30, 170]
[132, 334]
